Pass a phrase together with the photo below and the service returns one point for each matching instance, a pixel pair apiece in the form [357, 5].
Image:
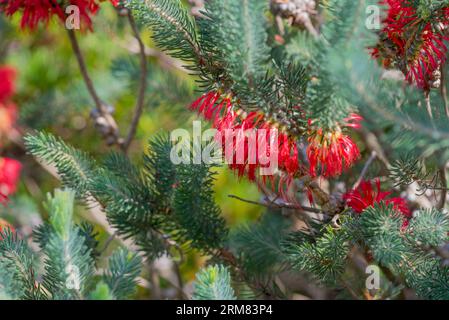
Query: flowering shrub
[307, 125]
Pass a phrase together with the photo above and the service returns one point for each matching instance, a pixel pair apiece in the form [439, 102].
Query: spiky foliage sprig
[124, 268]
[204, 226]
[75, 168]
[17, 276]
[408, 170]
[213, 283]
[259, 244]
[325, 256]
[148, 206]
[69, 264]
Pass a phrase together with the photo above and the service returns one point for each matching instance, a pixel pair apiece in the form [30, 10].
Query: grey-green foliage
[228, 47]
[17, 269]
[124, 268]
[173, 27]
[258, 244]
[195, 210]
[403, 112]
[164, 87]
[407, 250]
[429, 227]
[75, 167]
[163, 200]
[324, 256]
[213, 283]
[236, 28]
[380, 226]
[324, 101]
[69, 266]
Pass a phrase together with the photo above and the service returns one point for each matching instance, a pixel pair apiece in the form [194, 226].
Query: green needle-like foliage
[259, 244]
[75, 168]
[68, 264]
[124, 268]
[325, 257]
[213, 283]
[195, 210]
[17, 270]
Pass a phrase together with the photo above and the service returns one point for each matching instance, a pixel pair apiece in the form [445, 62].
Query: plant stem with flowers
[322, 86]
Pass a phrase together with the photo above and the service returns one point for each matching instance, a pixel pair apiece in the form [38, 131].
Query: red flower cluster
[238, 131]
[36, 11]
[8, 110]
[7, 83]
[330, 153]
[9, 168]
[415, 45]
[369, 193]
[9, 175]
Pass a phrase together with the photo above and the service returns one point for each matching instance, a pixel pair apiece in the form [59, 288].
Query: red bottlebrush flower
[247, 139]
[416, 45]
[369, 193]
[332, 152]
[7, 83]
[41, 11]
[9, 176]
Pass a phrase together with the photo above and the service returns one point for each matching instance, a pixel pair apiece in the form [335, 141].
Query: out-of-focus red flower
[368, 193]
[8, 116]
[416, 45]
[41, 11]
[9, 176]
[8, 110]
[3, 199]
[331, 152]
[237, 131]
[7, 83]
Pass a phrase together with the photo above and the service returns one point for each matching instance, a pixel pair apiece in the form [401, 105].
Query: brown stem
[82, 65]
[443, 196]
[138, 110]
[428, 106]
[106, 123]
[444, 89]
[277, 205]
[372, 157]
[180, 286]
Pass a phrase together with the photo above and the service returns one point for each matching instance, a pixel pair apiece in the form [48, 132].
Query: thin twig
[138, 110]
[277, 205]
[443, 197]
[428, 106]
[83, 69]
[180, 286]
[370, 160]
[108, 242]
[443, 89]
[372, 143]
[108, 123]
